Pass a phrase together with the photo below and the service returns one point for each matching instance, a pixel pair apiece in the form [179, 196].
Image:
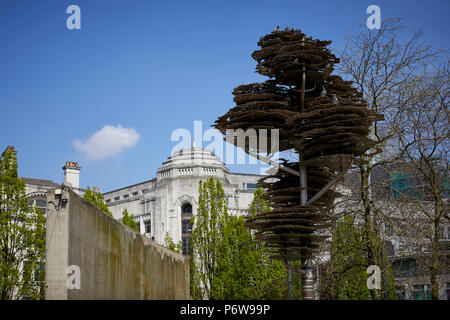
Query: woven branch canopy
[329, 131]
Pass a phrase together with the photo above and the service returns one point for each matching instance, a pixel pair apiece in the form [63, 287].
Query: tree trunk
[369, 229]
[434, 253]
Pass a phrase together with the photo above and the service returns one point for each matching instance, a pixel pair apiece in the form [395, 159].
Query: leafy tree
[206, 240]
[226, 261]
[177, 247]
[272, 282]
[258, 205]
[22, 236]
[96, 198]
[245, 269]
[34, 271]
[348, 273]
[128, 220]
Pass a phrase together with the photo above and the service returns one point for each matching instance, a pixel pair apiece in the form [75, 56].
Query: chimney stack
[72, 176]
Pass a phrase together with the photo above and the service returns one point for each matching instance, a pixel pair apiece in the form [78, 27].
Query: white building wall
[177, 183]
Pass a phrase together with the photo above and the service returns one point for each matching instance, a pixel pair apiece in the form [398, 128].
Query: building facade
[36, 189]
[164, 205]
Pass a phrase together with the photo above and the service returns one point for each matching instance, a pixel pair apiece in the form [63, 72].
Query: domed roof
[193, 157]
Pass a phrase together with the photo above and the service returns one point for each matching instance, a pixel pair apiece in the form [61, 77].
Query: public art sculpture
[320, 116]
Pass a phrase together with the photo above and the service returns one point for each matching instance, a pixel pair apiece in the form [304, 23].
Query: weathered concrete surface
[115, 261]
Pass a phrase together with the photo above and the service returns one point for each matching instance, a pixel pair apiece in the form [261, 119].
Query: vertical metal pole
[303, 185]
[307, 279]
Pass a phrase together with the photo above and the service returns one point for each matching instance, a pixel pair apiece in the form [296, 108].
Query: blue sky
[150, 67]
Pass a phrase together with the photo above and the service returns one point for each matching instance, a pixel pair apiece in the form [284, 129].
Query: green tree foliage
[169, 243]
[226, 261]
[128, 220]
[387, 277]
[96, 198]
[272, 282]
[22, 237]
[206, 240]
[346, 274]
[258, 205]
[244, 270]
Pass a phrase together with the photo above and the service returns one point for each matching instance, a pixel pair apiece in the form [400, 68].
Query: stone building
[165, 204]
[36, 189]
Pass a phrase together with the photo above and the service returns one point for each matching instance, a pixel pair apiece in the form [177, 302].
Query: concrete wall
[115, 262]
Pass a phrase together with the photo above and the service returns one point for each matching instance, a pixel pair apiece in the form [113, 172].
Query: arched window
[38, 203]
[186, 227]
[186, 208]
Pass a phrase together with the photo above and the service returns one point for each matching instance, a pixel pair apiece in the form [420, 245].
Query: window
[419, 293]
[252, 186]
[186, 208]
[186, 245]
[389, 247]
[139, 226]
[148, 226]
[448, 290]
[428, 292]
[108, 200]
[135, 193]
[38, 204]
[41, 204]
[116, 198]
[186, 226]
[403, 184]
[400, 293]
[388, 229]
[39, 273]
[125, 196]
[442, 233]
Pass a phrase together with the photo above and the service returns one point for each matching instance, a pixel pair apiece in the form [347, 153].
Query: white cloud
[107, 142]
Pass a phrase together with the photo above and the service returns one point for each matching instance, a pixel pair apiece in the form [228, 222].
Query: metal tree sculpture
[319, 115]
